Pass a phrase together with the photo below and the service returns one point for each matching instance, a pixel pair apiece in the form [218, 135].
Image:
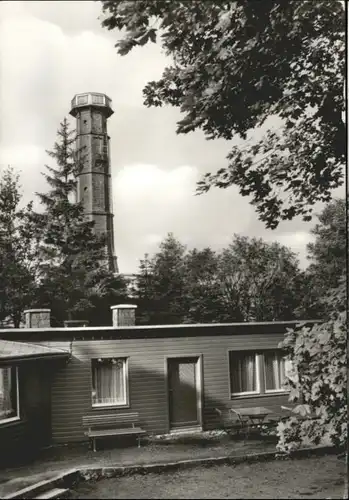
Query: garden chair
[230, 425]
[243, 421]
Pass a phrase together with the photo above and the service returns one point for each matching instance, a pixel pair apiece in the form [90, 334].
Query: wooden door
[184, 387]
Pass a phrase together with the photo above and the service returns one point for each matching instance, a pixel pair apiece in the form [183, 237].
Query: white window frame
[17, 416]
[125, 403]
[258, 382]
[260, 374]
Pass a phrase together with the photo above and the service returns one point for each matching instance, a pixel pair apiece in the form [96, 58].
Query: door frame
[199, 386]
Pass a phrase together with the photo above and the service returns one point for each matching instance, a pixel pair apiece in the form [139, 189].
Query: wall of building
[147, 351]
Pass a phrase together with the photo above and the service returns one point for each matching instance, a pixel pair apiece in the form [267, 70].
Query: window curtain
[244, 374]
[274, 367]
[109, 383]
[6, 404]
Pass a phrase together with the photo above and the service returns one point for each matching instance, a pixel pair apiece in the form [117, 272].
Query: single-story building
[173, 376]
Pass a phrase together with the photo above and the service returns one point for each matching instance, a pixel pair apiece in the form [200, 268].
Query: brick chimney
[37, 318]
[124, 314]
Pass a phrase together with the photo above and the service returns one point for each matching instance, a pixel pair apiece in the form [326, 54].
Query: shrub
[319, 383]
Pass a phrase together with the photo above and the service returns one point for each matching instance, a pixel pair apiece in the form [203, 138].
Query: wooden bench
[112, 424]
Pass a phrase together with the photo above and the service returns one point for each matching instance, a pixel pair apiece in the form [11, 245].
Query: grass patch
[314, 477]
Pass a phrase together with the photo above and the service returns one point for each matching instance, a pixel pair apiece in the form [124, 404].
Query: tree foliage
[204, 301]
[328, 253]
[236, 63]
[250, 280]
[19, 240]
[328, 260]
[319, 354]
[160, 284]
[264, 278]
[74, 270]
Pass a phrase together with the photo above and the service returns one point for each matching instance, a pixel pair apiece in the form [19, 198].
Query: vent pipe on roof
[124, 314]
[37, 318]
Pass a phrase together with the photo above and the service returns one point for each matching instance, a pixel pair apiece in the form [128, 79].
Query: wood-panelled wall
[71, 387]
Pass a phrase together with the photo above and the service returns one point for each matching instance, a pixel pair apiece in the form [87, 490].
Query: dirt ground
[163, 449]
[314, 477]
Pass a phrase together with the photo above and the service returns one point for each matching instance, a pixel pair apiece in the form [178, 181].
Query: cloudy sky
[53, 50]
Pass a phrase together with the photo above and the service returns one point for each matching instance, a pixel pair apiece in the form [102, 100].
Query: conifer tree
[75, 274]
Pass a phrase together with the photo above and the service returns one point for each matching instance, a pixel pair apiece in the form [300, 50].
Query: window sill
[109, 406]
[245, 394]
[11, 420]
[276, 391]
[258, 395]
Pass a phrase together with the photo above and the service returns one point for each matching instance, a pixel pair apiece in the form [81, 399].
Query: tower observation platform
[94, 182]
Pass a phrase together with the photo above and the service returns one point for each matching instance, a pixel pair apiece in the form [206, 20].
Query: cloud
[42, 67]
[140, 183]
[72, 16]
[27, 154]
[150, 201]
[25, 160]
[296, 241]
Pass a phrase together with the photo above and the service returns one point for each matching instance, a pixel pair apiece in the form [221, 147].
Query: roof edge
[34, 357]
[158, 327]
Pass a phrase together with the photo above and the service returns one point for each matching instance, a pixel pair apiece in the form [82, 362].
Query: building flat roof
[147, 331]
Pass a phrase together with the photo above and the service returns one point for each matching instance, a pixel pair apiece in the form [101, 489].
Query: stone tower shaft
[94, 183]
